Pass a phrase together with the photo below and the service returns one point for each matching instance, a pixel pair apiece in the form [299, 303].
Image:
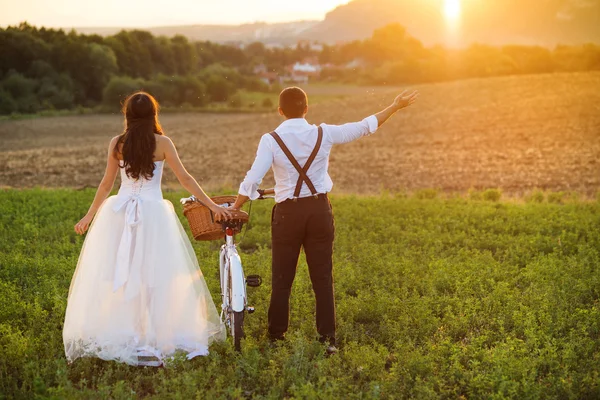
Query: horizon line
[257, 22]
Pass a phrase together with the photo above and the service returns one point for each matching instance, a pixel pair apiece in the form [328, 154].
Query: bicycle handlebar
[190, 199]
[263, 192]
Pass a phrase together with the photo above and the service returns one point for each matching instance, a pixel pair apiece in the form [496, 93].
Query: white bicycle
[233, 281]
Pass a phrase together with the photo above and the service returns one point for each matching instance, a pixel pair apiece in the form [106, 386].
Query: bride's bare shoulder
[163, 144]
[112, 146]
[163, 141]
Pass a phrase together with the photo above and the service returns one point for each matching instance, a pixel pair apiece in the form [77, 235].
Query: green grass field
[436, 298]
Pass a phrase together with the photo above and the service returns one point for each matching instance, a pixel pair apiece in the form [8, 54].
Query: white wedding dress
[137, 295]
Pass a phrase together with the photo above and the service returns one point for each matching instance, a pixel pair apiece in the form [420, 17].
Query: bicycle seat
[238, 219]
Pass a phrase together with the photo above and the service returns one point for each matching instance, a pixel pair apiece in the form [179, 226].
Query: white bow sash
[129, 255]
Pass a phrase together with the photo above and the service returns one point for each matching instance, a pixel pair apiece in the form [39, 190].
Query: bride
[138, 295]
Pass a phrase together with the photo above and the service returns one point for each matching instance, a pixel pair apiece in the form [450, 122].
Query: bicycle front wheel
[236, 320]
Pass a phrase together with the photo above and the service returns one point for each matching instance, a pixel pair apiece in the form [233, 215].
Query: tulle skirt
[142, 305]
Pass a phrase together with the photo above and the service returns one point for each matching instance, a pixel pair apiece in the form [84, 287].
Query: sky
[150, 13]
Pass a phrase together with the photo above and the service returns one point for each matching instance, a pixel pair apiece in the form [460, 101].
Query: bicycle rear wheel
[237, 329]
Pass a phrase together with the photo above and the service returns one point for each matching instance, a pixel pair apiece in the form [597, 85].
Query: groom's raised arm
[351, 131]
[263, 161]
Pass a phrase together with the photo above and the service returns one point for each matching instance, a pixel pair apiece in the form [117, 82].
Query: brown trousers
[308, 223]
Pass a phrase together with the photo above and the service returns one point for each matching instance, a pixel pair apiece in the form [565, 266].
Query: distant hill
[543, 22]
[280, 33]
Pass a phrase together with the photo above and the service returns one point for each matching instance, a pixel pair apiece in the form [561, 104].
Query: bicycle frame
[233, 282]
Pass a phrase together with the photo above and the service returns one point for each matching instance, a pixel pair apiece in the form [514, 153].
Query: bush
[537, 196]
[40, 69]
[267, 103]
[492, 194]
[426, 194]
[8, 105]
[162, 89]
[29, 104]
[235, 101]
[177, 90]
[193, 91]
[556, 197]
[118, 88]
[54, 97]
[186, 107]
[18, 85]
[276, 88]
[475, 194]
[254, 84]
[219, 88]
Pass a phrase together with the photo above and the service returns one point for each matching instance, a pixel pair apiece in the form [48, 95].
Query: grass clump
[492, 194]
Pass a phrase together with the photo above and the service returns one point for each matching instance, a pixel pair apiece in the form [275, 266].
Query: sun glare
[452, 9]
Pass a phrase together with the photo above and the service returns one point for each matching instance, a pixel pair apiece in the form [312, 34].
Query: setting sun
[452, 9]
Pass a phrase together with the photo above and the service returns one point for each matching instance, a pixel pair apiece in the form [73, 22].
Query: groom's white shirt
[300, 137]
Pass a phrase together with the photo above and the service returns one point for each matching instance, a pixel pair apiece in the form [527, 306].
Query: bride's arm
[106, 185]
[188, 181]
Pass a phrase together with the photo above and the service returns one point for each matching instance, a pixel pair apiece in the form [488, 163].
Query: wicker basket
[201, 224]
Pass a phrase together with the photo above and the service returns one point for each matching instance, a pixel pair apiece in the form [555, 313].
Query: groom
[299, 152]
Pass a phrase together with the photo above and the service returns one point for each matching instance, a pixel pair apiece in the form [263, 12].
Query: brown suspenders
[301, 170]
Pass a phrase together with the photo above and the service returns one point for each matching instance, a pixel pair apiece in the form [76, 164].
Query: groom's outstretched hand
[405, 99]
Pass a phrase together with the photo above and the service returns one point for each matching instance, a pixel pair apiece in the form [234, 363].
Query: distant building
[260, 69]
[275, 46]
[330, 66]
[302, 72]
[268, 77]
[306, 68]
[314, 60]
[317, 47]
[312, 46]
[235, 43]
[356, 63]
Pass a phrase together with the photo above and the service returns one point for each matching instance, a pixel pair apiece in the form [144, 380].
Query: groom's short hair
[293, 102]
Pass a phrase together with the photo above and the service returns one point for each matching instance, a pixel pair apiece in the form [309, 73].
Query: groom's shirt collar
[294, 124]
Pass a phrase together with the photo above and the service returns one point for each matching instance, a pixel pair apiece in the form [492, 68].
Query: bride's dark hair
[137, 142]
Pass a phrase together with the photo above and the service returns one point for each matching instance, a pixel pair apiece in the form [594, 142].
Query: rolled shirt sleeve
[262, 163]
[351, 131]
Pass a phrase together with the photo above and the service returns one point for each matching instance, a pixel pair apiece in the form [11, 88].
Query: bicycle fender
[238, 283]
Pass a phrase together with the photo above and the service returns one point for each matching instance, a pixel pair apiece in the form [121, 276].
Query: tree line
[392, 56]
[52, 69]
[46, 69]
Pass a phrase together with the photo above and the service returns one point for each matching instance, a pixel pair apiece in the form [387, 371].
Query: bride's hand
[220, 213]
[83, 225]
